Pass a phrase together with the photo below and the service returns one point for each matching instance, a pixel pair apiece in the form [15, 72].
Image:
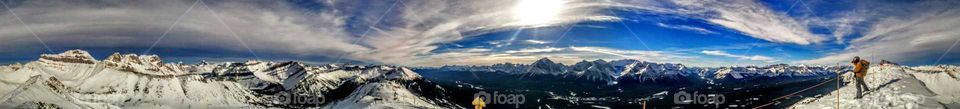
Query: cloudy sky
[483, 32]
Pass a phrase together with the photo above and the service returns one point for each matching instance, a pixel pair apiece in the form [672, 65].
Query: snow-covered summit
[546, 66]
[70, 56]
[145, 64]
[646, 71]
[598, 70]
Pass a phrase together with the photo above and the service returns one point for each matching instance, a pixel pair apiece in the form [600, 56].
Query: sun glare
[537, 12]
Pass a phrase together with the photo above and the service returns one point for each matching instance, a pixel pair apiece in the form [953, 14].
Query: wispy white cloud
[266, 27]
[843, 25]
[919, 38]
[410, 30]
[567, 55]
[687, 28]
[758, 21]
[476, 50]
[745, 16]
[743, 57]
[536, 42]
[535, 50]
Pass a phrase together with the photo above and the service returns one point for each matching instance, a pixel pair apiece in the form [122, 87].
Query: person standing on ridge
[860, 68]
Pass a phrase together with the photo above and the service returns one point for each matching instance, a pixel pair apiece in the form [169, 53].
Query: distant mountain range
[618, 71]
[623, 83]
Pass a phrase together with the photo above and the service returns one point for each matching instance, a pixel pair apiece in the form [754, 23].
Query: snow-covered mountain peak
[543, 61]
[545, 66]
[644, 71]
[405, 73]
[203, 62]
[134, 58]
[632, 68]
[388, 73]
[70, 56]
[623, 62]
[600, 61]
[596, 71]
[582, 64]
[723, 72]
[145, 64]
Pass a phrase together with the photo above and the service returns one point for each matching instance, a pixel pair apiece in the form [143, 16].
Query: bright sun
[537, 12]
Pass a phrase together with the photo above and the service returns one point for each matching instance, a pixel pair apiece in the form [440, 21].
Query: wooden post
[644, 104]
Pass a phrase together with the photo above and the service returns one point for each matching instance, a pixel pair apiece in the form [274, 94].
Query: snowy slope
[385, 88]
[39, 88]
[944, 82]
[74, 79]
[895, 87]
[381, 95]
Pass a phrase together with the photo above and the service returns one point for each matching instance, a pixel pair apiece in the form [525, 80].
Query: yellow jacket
[478, 103]
[860, 68]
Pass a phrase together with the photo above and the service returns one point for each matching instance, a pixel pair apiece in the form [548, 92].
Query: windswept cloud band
[421, 32]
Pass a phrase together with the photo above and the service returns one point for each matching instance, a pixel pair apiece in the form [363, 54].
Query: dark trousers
[859, 84]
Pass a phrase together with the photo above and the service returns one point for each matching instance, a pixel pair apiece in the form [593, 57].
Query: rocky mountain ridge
[74, 79]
